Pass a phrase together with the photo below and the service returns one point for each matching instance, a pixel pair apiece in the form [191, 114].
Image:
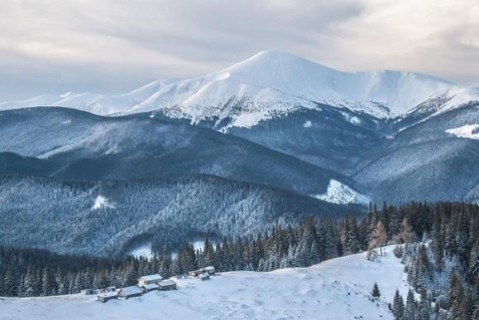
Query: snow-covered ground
[335, 289]
[470, 131]
[342, 194]
[143, 250]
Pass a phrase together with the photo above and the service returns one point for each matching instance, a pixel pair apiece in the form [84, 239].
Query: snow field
[336, 289]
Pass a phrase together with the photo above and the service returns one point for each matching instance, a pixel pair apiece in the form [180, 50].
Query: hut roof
[128, 291]
[151, 286]
[152, 277]
[166, 283]
[110, 294]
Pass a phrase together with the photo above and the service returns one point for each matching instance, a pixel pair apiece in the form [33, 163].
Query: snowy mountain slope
[67, 143]
[96, 103]
[265, 86]
[334, 139]
[436, 170]
[446, 101]
[335, 289]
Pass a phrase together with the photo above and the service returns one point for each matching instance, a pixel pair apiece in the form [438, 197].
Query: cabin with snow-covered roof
[150, 279]
[166, 285]
[210, 270]
[105, 296]
[150, 287]
[88, 291]
[204, 276]
[129, 292]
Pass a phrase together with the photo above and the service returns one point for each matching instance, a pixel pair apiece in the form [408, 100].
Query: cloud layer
[114, 45]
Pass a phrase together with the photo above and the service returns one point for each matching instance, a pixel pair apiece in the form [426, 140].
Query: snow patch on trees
[102, 203]
[339, 193]
[307, 124]
[470, 131]
[144, 251]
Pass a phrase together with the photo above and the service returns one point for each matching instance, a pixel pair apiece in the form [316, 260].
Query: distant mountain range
[281, 132]
[265, 86]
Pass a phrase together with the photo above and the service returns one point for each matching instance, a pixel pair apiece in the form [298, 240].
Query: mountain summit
[266, 85]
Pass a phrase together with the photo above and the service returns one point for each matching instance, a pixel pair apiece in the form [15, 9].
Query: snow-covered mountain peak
[269, 84]
[276, 65]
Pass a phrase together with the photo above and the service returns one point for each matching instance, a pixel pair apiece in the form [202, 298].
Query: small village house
[149, 287]
[166, 285]
[210, 270]
[150, 279]
[129, 292]
[204, 276]
[105, 296]
[88, 291]
[195, 273]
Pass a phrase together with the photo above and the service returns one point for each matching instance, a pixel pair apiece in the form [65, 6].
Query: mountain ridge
[267, 85]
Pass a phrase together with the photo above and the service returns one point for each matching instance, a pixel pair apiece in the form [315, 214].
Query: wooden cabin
[195, 273]
[204, 276]
[210, 270]
[150, 287]
[105, 296]
[129, 292]
[88, 292]
[150, 279]
[166, 285]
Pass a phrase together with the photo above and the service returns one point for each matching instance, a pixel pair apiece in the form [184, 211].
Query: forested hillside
[101, 218]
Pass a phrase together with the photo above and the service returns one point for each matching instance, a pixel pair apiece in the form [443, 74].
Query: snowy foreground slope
[335, 289]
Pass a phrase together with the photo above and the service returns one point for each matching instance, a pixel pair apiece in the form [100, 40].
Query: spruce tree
[410, 309]
[10, 285]
[474, 262]
[454, 295]
[465, 307]
[423, 307]
[398, 306]
[375, 292]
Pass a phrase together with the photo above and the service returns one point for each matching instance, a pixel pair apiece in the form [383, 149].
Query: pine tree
[454, 295]
[475, 313]
[131, 275]
[423, 307]
[10, 285]
[465, 307]
[398, 306]
[314, 253]
[375, 292]
[77, 284]
[410, 310]
[21, 287]
[474, 262]
[2, 284]
[49, 285]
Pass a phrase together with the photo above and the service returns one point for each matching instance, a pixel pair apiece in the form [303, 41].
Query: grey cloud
[115, 45]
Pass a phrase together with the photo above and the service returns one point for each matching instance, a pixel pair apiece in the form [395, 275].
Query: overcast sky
[53, 46]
